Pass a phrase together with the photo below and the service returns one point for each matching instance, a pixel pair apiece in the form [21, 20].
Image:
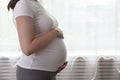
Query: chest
[43, 21]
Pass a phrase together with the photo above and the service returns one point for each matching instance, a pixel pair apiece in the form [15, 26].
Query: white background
[91, 27]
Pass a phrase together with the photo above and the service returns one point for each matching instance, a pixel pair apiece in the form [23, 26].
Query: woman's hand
[59, 33]
[62, 67]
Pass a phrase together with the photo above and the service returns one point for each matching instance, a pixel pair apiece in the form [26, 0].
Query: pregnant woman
[41, 41]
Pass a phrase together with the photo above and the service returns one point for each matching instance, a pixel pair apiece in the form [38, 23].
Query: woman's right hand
[59, 33]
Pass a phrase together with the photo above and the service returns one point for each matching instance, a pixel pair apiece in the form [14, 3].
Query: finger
[60, 69]
[59, 30]
[62, 37]
[65, 63]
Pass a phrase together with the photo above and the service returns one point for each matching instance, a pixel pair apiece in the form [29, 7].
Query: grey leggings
[29, 74]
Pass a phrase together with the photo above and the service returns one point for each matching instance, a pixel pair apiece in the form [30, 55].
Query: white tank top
[54, 55]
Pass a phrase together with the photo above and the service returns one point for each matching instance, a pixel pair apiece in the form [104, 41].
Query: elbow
[27, 52]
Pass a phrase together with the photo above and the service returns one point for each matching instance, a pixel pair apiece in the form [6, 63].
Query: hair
[12, 4]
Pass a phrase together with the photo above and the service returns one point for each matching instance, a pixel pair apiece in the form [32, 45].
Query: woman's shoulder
[27, 7]
[21, 4]
[23, 8]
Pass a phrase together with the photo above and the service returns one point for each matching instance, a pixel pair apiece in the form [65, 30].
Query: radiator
[78, 68]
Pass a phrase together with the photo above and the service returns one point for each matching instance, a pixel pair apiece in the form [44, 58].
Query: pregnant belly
[53, 55]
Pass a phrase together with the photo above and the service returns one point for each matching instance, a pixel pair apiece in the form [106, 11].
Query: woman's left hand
[62, 67]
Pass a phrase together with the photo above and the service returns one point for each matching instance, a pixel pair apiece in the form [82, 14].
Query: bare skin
[30, 44]
[62, 67]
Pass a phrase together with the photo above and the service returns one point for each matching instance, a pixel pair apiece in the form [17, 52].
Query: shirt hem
[53, 69]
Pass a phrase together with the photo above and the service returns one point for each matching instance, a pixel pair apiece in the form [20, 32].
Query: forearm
[41, 42]
[28, 42]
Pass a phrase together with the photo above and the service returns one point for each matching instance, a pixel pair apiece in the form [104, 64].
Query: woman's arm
[28, 43]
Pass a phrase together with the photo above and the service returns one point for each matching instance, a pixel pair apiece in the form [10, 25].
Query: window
[91, 27]
[8, 37]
